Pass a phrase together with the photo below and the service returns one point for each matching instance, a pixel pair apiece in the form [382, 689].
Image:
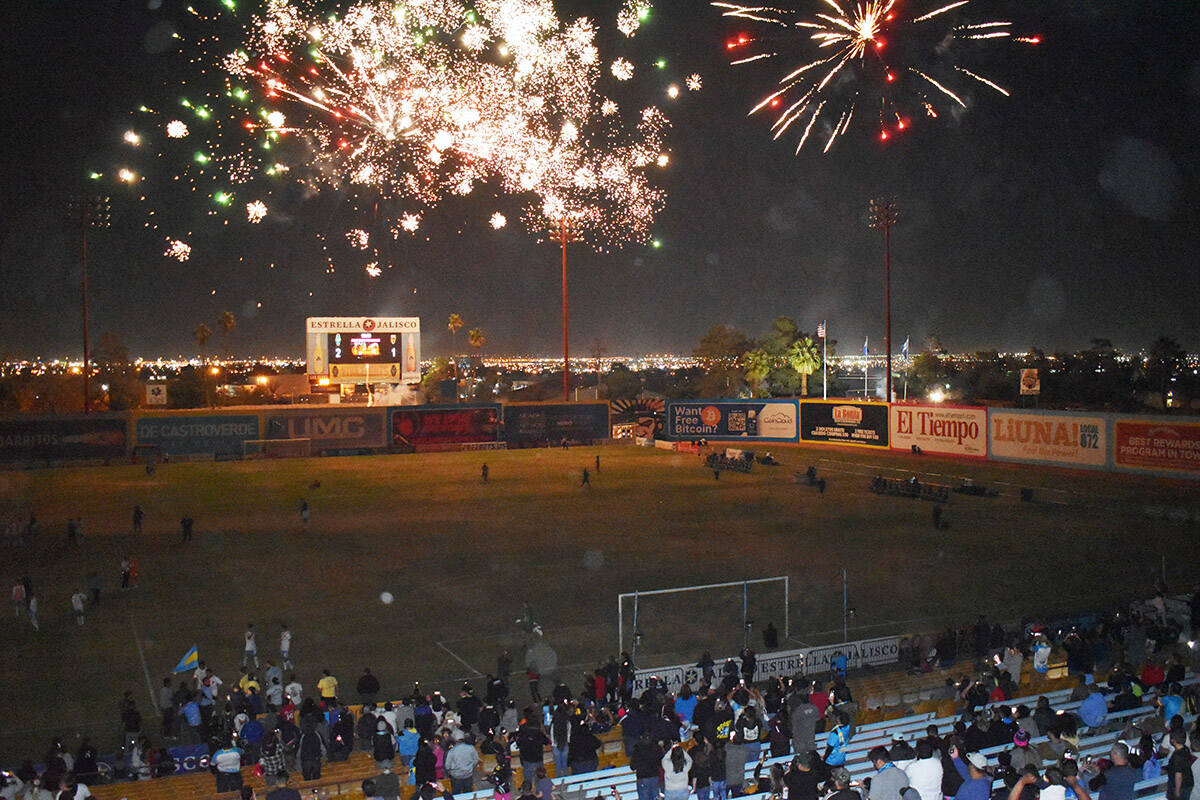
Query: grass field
[461, 557]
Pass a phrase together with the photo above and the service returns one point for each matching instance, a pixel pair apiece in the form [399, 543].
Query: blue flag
[865, 353]
[189, 661]
[904, 348]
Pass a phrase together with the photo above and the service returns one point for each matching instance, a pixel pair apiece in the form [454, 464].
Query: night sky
[1063, 213]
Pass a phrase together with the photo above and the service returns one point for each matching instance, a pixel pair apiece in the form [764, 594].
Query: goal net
[677, 624]
[277, 448]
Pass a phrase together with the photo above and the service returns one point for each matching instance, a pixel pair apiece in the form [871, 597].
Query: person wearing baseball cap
[977, 785]
[840, 776]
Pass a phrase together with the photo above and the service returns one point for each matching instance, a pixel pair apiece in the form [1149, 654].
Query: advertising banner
[785, 663]
[189, 758]
[844, 422]
[756, 420]
[538, 424]
[61, 438]
[330, 428]
[1063, 438]
[182, 435]
[945, 430]
[431, 427]
[1157, 445]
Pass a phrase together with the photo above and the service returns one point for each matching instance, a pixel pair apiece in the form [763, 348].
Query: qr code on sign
[737, 421]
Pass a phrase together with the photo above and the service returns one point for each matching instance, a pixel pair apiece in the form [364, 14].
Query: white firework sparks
[178, 250]
[373, 269]
[256, 211]
[694, 82]
[358, 238]
[498, 221]
[622, 70]
[177, 129]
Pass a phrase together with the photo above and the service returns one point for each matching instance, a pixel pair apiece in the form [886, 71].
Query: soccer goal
[277, 448]
[714, 616]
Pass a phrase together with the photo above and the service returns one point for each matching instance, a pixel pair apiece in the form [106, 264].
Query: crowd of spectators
[701, 741]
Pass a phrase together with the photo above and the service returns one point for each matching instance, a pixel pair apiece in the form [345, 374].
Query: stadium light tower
[92, 212]
[883, 216]
[565, 232]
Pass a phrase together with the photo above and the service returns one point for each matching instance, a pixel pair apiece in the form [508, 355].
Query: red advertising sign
[1173, 446]
[949, 430]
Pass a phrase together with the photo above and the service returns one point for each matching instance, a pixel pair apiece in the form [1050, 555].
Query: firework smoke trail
[857, 58]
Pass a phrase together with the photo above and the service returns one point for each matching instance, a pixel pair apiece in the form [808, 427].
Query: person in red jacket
[1152, 674]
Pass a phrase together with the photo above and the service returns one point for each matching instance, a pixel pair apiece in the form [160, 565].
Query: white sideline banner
[785, 663]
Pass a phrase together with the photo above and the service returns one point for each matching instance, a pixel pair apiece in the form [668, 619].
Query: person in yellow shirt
[327, 687]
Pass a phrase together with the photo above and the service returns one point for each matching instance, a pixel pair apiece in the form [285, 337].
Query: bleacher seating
[342, 780]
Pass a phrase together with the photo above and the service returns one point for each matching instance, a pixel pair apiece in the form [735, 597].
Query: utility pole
[566, 234]
[884, 214]
[95, 213]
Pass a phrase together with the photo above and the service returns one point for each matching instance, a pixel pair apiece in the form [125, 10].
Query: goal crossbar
[679, 589]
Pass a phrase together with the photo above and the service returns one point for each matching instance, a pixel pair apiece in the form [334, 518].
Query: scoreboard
[363, 349]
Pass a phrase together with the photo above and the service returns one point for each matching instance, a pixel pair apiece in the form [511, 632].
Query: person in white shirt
[925, 774]
[77, 601]
[285, 647]
[294, 691]
[251, 647]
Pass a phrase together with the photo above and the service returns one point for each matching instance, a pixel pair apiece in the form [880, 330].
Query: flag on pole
[904, 347]
[189, 661]
[821, 331]
[865, 339]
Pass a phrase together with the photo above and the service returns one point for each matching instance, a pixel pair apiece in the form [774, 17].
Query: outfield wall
[1153, 445]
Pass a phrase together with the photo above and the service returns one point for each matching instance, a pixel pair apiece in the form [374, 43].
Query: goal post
[729, 591]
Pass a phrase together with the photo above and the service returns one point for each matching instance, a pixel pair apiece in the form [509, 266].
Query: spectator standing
[925, 773]
[138, 516]
[582, 749]
[304, 513]
[285, 647]
[383, 746]
[227, 761]
[531, 744]
[1179, 768]
[77, 601]
[311, 751]
[167, 708]
[1120, 778]
[836, 741]
[804, 719]
[645, 762]
[460, 765]
[888, 780]
[125, 573]
[18, 598]
[367, 687]
[676, 765]
[32, 607]
[976, 784]
[327, 686]
[250, 653]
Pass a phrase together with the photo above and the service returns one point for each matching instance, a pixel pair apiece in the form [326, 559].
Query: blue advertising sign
[540, 424]
[186, 435]
[753, 420]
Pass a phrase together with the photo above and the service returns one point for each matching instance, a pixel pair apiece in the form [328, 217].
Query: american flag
[821, 331]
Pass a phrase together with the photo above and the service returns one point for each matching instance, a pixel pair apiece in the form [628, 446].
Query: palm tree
[454, 323]
[805, 358]
[202, 334]
[476, 339]
[227, 322]
[758, 363]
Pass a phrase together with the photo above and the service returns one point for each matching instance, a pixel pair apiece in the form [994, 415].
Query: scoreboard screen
[364, 348]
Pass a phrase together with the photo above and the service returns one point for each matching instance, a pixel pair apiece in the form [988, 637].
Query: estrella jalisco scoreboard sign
[755, 420]
[363, 349]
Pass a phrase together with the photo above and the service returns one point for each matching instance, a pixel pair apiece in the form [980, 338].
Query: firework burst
[398, 105]
[873, 55]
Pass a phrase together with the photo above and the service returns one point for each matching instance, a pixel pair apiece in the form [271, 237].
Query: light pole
[565, 234]
[88, 212]
[884, 214]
